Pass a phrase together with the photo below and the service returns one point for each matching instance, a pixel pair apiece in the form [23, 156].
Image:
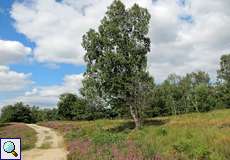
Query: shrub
[107, 138]
[17, 113]
[183, 146]
[201, 152]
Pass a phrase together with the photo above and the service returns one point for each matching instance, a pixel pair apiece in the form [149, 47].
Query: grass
[197, 136]
[45, 145]
[19, 130]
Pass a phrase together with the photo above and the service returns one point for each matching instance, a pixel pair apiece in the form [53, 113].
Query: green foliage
[66, 106]
[49, 115]
[203, 99]
[224, 71]
[201, 152]
[73, 134]
[195, 136]
[20, 112]
[44, 114]
[223, 87]
[149, 150]
[178, 95]
[183, 146]
[72, 107]
[223, 94]
[187, 147]
[17, 113]
[162, 131]
[116, 58]
[107, 138]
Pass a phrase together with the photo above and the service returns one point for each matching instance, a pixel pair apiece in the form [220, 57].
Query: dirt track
[49, 145]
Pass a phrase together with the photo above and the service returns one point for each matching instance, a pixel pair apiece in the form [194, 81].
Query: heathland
[190, 136]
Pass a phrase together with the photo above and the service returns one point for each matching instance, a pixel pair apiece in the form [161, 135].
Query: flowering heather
[198, 136]
[19, 130]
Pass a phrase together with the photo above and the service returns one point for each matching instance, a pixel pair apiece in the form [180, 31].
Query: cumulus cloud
[12, 51]
[13, 81]
[195, 46]
[186, 35]
[57, 27]
[47, 96]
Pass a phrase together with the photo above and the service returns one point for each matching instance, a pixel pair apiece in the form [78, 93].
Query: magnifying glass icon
[9, 147]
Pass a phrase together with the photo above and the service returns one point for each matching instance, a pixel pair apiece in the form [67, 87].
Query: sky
[40, 43]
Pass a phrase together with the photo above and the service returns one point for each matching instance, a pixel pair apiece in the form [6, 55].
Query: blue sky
[7, 30]
[42, 73]
[40, 43]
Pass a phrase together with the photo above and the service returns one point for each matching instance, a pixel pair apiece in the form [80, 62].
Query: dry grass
[197, 136]
[19, 130]
[45, 145]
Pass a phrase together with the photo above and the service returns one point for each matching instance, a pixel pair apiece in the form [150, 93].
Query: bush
[193, 150]
[201, 152]
[183, 146]
[20, 112]
[17, 113]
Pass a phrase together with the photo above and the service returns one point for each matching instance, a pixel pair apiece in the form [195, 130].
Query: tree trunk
[136, 118]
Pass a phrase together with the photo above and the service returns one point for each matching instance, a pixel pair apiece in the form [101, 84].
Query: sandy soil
[49, 145]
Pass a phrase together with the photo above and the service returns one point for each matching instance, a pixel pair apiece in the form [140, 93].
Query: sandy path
[49, 145]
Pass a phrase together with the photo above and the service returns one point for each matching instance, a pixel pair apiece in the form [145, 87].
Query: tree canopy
[116, 58]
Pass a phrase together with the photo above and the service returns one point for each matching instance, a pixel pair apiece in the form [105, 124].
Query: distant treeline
[176, 95]
[20, 112]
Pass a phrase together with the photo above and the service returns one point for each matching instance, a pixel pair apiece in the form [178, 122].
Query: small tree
[224, 71]
[224, 77]
[116, 58]
[203, 98]
[66, 106]
[72, 107]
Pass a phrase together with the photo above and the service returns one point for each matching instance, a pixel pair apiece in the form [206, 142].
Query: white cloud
[13, 81]
[12, 51]
[191, 46]
[47, 96]
[57, 28]
[178, 45]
